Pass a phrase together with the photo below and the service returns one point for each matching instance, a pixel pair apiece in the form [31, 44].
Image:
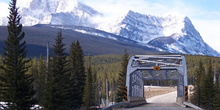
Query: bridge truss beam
[141, 67]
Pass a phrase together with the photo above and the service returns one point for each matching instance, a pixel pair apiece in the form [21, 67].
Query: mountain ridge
[147, 28]
[135, 28]
[38, 36]
[57, 12]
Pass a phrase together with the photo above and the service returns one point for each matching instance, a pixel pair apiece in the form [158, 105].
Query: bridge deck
[158, 106]
[160, 102]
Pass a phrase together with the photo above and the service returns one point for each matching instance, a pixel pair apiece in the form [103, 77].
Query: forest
[109, 66]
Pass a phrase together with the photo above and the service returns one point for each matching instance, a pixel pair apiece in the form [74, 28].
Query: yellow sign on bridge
[156, 68]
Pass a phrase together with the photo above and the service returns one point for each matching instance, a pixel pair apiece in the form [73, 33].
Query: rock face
[57, 12]
[174, 34]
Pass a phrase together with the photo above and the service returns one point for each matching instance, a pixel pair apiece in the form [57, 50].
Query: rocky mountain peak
[58, 12]
[170, 33]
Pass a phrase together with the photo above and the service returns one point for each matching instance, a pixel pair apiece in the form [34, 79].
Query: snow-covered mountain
[58, 12]
[171, 33]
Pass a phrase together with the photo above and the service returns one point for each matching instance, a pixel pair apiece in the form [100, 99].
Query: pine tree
[88, 94]
[217, 78]
[80, 70]
[1, 60]
[16, 84]
[95, 86]
[199, 74]
[76, 60]
[33, 70]
[217, 89]
[122, 78]
[56, 90]
[72, 92]
[40, 79]
[208, 94]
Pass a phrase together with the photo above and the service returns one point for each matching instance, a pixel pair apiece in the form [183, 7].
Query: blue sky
[204, 14]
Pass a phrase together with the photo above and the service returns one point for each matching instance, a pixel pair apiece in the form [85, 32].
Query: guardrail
[192, 106]
[133, 103]
[117, 105]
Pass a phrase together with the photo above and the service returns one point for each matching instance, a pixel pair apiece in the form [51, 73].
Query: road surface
[165, 98]
[160, 102]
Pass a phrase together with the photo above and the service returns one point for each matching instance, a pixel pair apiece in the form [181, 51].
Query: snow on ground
[3, 105]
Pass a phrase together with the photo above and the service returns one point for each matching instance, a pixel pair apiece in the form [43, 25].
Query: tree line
[206, 87]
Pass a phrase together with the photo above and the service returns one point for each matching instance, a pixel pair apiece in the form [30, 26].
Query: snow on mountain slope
[170, 33]
[59, 12]
[178, 32]
[144, 28]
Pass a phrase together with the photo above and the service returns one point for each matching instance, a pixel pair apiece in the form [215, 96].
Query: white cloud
[4, 6]
[23, 3]
[4, 9]
[116, 7]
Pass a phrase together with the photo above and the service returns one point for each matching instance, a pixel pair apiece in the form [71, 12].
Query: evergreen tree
[199, 74]
[16, 84]
[217, 77]
[33, 70]
[72, 92]
[40, 78]
[95, 86]
[122, 78]
[1, 60]
[217, 89]
[80, 70]
[76, 60]
[208, 89]
[56, 90]
[88, 94]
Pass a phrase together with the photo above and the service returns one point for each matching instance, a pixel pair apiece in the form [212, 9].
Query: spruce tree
[33, 70]
[1, 60]
[199, 75]
[72, 92]
[55, 94]
[76, 62]
[95, 86]
[122, 78]
[16, 84]
[208, 94]
[217, 89]
[40, 79]
[80, 70]
[88, 94]
[217, 78]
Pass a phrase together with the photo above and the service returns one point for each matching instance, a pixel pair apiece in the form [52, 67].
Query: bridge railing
[135, 101]
[192, 106]
[117, 105]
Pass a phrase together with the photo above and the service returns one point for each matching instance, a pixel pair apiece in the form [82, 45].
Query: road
[160, 102]
[165, 98]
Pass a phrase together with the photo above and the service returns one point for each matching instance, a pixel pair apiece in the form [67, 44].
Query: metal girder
[156, 75]
[141, 67]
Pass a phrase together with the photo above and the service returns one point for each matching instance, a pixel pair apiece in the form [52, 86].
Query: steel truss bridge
[154, 67]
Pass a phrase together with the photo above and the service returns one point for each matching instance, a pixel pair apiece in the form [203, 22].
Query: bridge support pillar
[179, 100]
[134, 101]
